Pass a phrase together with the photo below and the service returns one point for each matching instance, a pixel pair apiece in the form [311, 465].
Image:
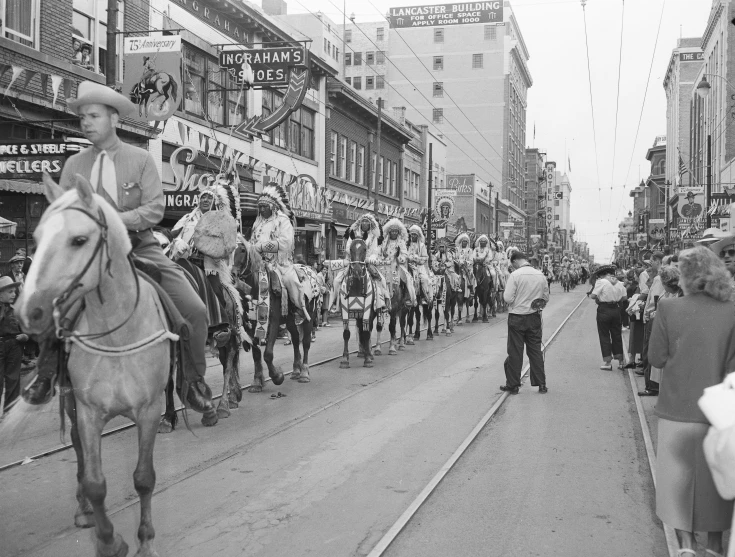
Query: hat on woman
[17, 257]
[711, 235]
[90, 92]
[605, 270]
[7, 282]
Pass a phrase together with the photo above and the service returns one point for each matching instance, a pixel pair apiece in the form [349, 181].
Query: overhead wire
[617, 106]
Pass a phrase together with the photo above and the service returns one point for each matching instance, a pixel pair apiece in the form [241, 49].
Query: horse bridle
[99, 249]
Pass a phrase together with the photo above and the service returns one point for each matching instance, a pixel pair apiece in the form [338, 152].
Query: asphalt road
[329, 468]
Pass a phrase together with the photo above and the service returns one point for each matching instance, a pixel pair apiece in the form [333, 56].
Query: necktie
[104, 177]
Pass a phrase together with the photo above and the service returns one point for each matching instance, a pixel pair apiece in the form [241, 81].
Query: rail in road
[246, 359]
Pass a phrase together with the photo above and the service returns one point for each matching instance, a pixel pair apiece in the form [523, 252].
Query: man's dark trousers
[650, 385]
[524, 329]
[11, 354]
[609, 329]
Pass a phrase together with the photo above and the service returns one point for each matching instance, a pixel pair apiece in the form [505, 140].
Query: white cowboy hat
[7, 282]
[90, 92]
[711, 235]
[722, 244]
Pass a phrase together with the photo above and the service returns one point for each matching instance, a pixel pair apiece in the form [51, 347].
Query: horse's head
[78, 238]
[358, 250]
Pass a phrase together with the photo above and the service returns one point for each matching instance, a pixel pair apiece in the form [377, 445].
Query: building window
[19, 21]
[380, 57]
[333, 155]
[438, 89]
[296, 134]
[406, 182]
[353, 161]
[343, 157]
[369, 82]
[348, 35]
[357, 82]
[88, 28]
[325, 45]
[348, 58]
[369, 58]
[380, 33]
[439, 35]
[379, 82]
[357, 59]
[393, 179]
[276, 136]
[336, 53]
[476, 61]
[438, 115]
[373, 174]
[361, 165]
[348, 80]
[490, 33]
[381, 168]
[438, 62]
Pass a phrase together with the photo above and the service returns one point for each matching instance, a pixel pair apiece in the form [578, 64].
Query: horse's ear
[349, 233]
[380, 238]
[84, 189]
[52, 190]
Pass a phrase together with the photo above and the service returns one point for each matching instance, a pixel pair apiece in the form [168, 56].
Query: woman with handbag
[693, 341]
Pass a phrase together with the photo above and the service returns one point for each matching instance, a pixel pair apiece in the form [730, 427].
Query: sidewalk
[558, 474]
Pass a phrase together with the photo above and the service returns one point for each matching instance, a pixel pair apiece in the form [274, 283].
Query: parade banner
[691, 203]
[460, 13]
[153, 76]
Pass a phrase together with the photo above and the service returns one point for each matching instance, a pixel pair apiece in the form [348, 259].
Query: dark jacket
[693, 341]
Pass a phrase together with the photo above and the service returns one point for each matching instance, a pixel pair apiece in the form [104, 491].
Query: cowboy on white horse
[395, 252]
[367, 229]
[464, 257]
[273, 239]
[418, 259]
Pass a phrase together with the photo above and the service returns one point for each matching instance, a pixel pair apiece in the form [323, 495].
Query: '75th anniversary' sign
[447, 14]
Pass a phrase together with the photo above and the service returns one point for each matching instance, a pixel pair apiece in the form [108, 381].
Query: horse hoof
[377, 351]
[449, 333]
[485, 321]
[459, 323]
[409, 342]
[295, 375]
[164, 426]
[444, 330]
[429, 336]
[85, 520]
[304, 379]
[467, 320]
[255, 389]
[210, 419]
[360, 354]
[344, 365]
[392, 352]
[118, 548]
[232, 404]
[475, 319]
[222, 412]
[277, 377]
[368, 363]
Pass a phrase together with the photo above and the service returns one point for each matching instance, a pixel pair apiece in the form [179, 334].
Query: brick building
[350, 142]
[534, 203]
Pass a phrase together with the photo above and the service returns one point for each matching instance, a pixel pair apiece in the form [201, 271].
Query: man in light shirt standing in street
[524, 288]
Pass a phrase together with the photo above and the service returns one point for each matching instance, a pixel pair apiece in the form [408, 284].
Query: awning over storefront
[20, 186]
[310, 227]
[340, 228]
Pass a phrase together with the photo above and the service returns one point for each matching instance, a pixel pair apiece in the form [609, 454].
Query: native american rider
[483, 253]
[367, 228]
[418, 261]
[273, 238]
[464, 257]
[395, 252]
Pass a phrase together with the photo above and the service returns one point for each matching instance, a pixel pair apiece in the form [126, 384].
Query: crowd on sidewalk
[678, 308]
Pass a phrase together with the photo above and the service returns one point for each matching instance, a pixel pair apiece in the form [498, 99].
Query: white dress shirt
[525, 285]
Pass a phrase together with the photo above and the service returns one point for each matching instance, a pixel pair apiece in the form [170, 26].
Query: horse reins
[99, 249]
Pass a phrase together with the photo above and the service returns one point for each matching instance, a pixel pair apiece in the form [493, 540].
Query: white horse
[120, 356]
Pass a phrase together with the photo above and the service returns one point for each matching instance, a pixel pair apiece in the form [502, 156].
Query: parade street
[328, 469]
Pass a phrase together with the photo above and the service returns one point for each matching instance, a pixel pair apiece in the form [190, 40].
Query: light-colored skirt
[686, 497]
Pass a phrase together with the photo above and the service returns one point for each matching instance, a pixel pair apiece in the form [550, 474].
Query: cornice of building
[714, 16]
[522, 64]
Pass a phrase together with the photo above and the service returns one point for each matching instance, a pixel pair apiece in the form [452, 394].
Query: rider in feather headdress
[484, 253]
[273, 238]
[464, 257]
[418, 257]
[395, 249]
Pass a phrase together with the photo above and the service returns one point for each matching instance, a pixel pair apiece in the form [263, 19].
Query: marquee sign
[459, 13]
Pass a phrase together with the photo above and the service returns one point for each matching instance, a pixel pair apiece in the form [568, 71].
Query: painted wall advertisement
[153, 76]
[691, 212]
[459, 13]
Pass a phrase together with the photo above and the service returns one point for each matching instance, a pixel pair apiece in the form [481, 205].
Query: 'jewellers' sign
[29, 160]
[446, 14]
[270, 66]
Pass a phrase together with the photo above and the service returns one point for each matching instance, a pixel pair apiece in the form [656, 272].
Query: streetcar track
[395, 530]
[130, 425]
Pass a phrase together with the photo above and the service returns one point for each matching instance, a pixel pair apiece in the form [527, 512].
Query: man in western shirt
[525, 286]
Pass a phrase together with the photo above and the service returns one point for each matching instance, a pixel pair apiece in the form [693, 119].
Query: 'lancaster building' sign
[446, 14]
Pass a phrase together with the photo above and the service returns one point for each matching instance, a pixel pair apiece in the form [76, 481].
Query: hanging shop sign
[28, 160]
[444, 207]
[270, 67]
[691, 203]
[153, 76]
[691, 56]
[464, 185]
[459, 13]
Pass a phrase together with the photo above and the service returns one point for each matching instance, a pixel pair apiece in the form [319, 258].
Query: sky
[605, 165]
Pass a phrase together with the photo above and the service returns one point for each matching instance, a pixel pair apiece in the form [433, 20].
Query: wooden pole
[111, 57]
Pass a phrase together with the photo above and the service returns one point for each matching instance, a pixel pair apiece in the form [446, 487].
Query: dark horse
[454, 297]
[427, 303]
[357, 297]
[483, 290]
[247, 266]
[153, 87]
[399, 307]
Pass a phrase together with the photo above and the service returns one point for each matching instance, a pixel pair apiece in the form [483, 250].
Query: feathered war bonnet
[416, 229]
[275, 196]
[491, 244]
[396, 224]
[372, 234]
[458, 240]
[227, 196]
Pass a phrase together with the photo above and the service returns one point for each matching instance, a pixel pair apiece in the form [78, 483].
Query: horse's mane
[255, 262]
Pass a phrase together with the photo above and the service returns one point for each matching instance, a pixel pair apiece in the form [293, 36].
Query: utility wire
[617, 105]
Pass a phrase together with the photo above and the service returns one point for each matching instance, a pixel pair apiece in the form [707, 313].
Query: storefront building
[47, 47]
[351, 144]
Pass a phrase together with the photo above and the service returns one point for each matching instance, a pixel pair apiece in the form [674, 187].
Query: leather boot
[199, 397]
[42, 389]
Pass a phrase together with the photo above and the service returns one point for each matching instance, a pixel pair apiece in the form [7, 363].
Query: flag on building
[682, 169]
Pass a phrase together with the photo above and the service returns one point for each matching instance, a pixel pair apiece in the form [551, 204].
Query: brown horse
[483, 291]
[120, 356]
[247, 267]
[400, 304]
